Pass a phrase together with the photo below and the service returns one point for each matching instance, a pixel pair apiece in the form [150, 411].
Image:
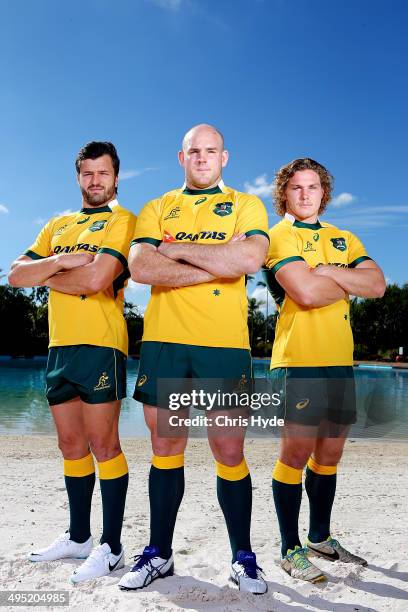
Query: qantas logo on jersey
[81, 246]
[332, 263]
[201, 236]
[167, 237]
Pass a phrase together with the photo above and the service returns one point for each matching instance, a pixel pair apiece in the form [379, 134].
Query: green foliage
[380, 326]
[134, 321]
[17, 314]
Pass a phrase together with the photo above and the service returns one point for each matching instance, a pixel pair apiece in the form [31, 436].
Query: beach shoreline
[369, 517]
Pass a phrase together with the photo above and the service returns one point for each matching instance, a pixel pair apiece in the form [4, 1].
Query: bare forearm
[363, 282]
[79, 281]
[323, 292]
[32, 273]
[68, 282]
[156, 269]
[230, 260]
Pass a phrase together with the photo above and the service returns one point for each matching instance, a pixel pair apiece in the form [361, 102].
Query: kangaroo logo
[103, 382]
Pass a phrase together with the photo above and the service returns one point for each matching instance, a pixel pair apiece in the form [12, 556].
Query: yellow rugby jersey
[311, 336]
[93, 319]
[213, 313]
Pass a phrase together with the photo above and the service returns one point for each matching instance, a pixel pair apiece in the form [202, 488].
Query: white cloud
[171, 5]
[261, 294]
[138, 294]
[39, 221]
[260, 187]
[124, 175]
[343, 199]
[384, 210]
[369, 216]
[3, 209]
[136, 287]
[62, 213]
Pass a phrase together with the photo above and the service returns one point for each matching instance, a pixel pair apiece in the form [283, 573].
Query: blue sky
[281, 78]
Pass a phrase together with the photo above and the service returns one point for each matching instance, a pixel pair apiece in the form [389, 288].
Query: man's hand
[307, 288]
[168, 249]
[26, 272]
[172, 249]
[239, 256]
[238, 238]
[68, 261]
[365, 280]
[150, 267]
[97, 274]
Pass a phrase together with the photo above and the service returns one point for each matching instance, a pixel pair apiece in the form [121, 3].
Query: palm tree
[262, 284]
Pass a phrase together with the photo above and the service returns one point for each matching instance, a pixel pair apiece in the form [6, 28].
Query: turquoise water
[23, 409]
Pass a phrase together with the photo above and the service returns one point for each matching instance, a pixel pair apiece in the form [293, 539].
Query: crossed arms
[324, 285]
[76, 274]
[179, 265]
[176, 264]
[83, 274]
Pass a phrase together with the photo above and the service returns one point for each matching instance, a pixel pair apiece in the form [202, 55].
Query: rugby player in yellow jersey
[313, 267]
[82, 258]
[194, 245]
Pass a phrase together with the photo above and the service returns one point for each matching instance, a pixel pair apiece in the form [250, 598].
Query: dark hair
[95, 149]
[285, 173]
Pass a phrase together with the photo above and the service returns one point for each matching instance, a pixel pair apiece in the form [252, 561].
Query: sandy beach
[369, 517]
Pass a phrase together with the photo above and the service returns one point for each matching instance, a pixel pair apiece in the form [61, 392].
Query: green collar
[188, 191]
[312, 226]
[94, 211]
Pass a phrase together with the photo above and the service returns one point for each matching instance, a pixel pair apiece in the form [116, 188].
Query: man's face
[203, 158]
[304, 195]
[97, 181]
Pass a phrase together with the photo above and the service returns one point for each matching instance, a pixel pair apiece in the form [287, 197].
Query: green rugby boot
[297, 565]
[332, 550]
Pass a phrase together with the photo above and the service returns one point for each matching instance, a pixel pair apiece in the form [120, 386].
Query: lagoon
[24, 410]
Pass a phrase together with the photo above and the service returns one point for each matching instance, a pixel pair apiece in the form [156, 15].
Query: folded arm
[231, 260]
[26, 272]
[365, 280]
[149, 266]
[308, 289]
[98, 275]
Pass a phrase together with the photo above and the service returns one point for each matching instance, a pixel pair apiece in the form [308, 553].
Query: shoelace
[250, 568]
[141, 560]
[300, 559]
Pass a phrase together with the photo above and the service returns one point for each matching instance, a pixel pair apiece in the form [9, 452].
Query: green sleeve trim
[120, 281]
[152, 241]
[33, 255]
[285, 261]
[256, 231]
[355, 263]
[114, 253]
[274, 288]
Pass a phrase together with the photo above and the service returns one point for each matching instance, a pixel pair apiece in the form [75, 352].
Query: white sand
[370, 516]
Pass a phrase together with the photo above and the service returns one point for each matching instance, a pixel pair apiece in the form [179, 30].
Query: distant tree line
[380, 326]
